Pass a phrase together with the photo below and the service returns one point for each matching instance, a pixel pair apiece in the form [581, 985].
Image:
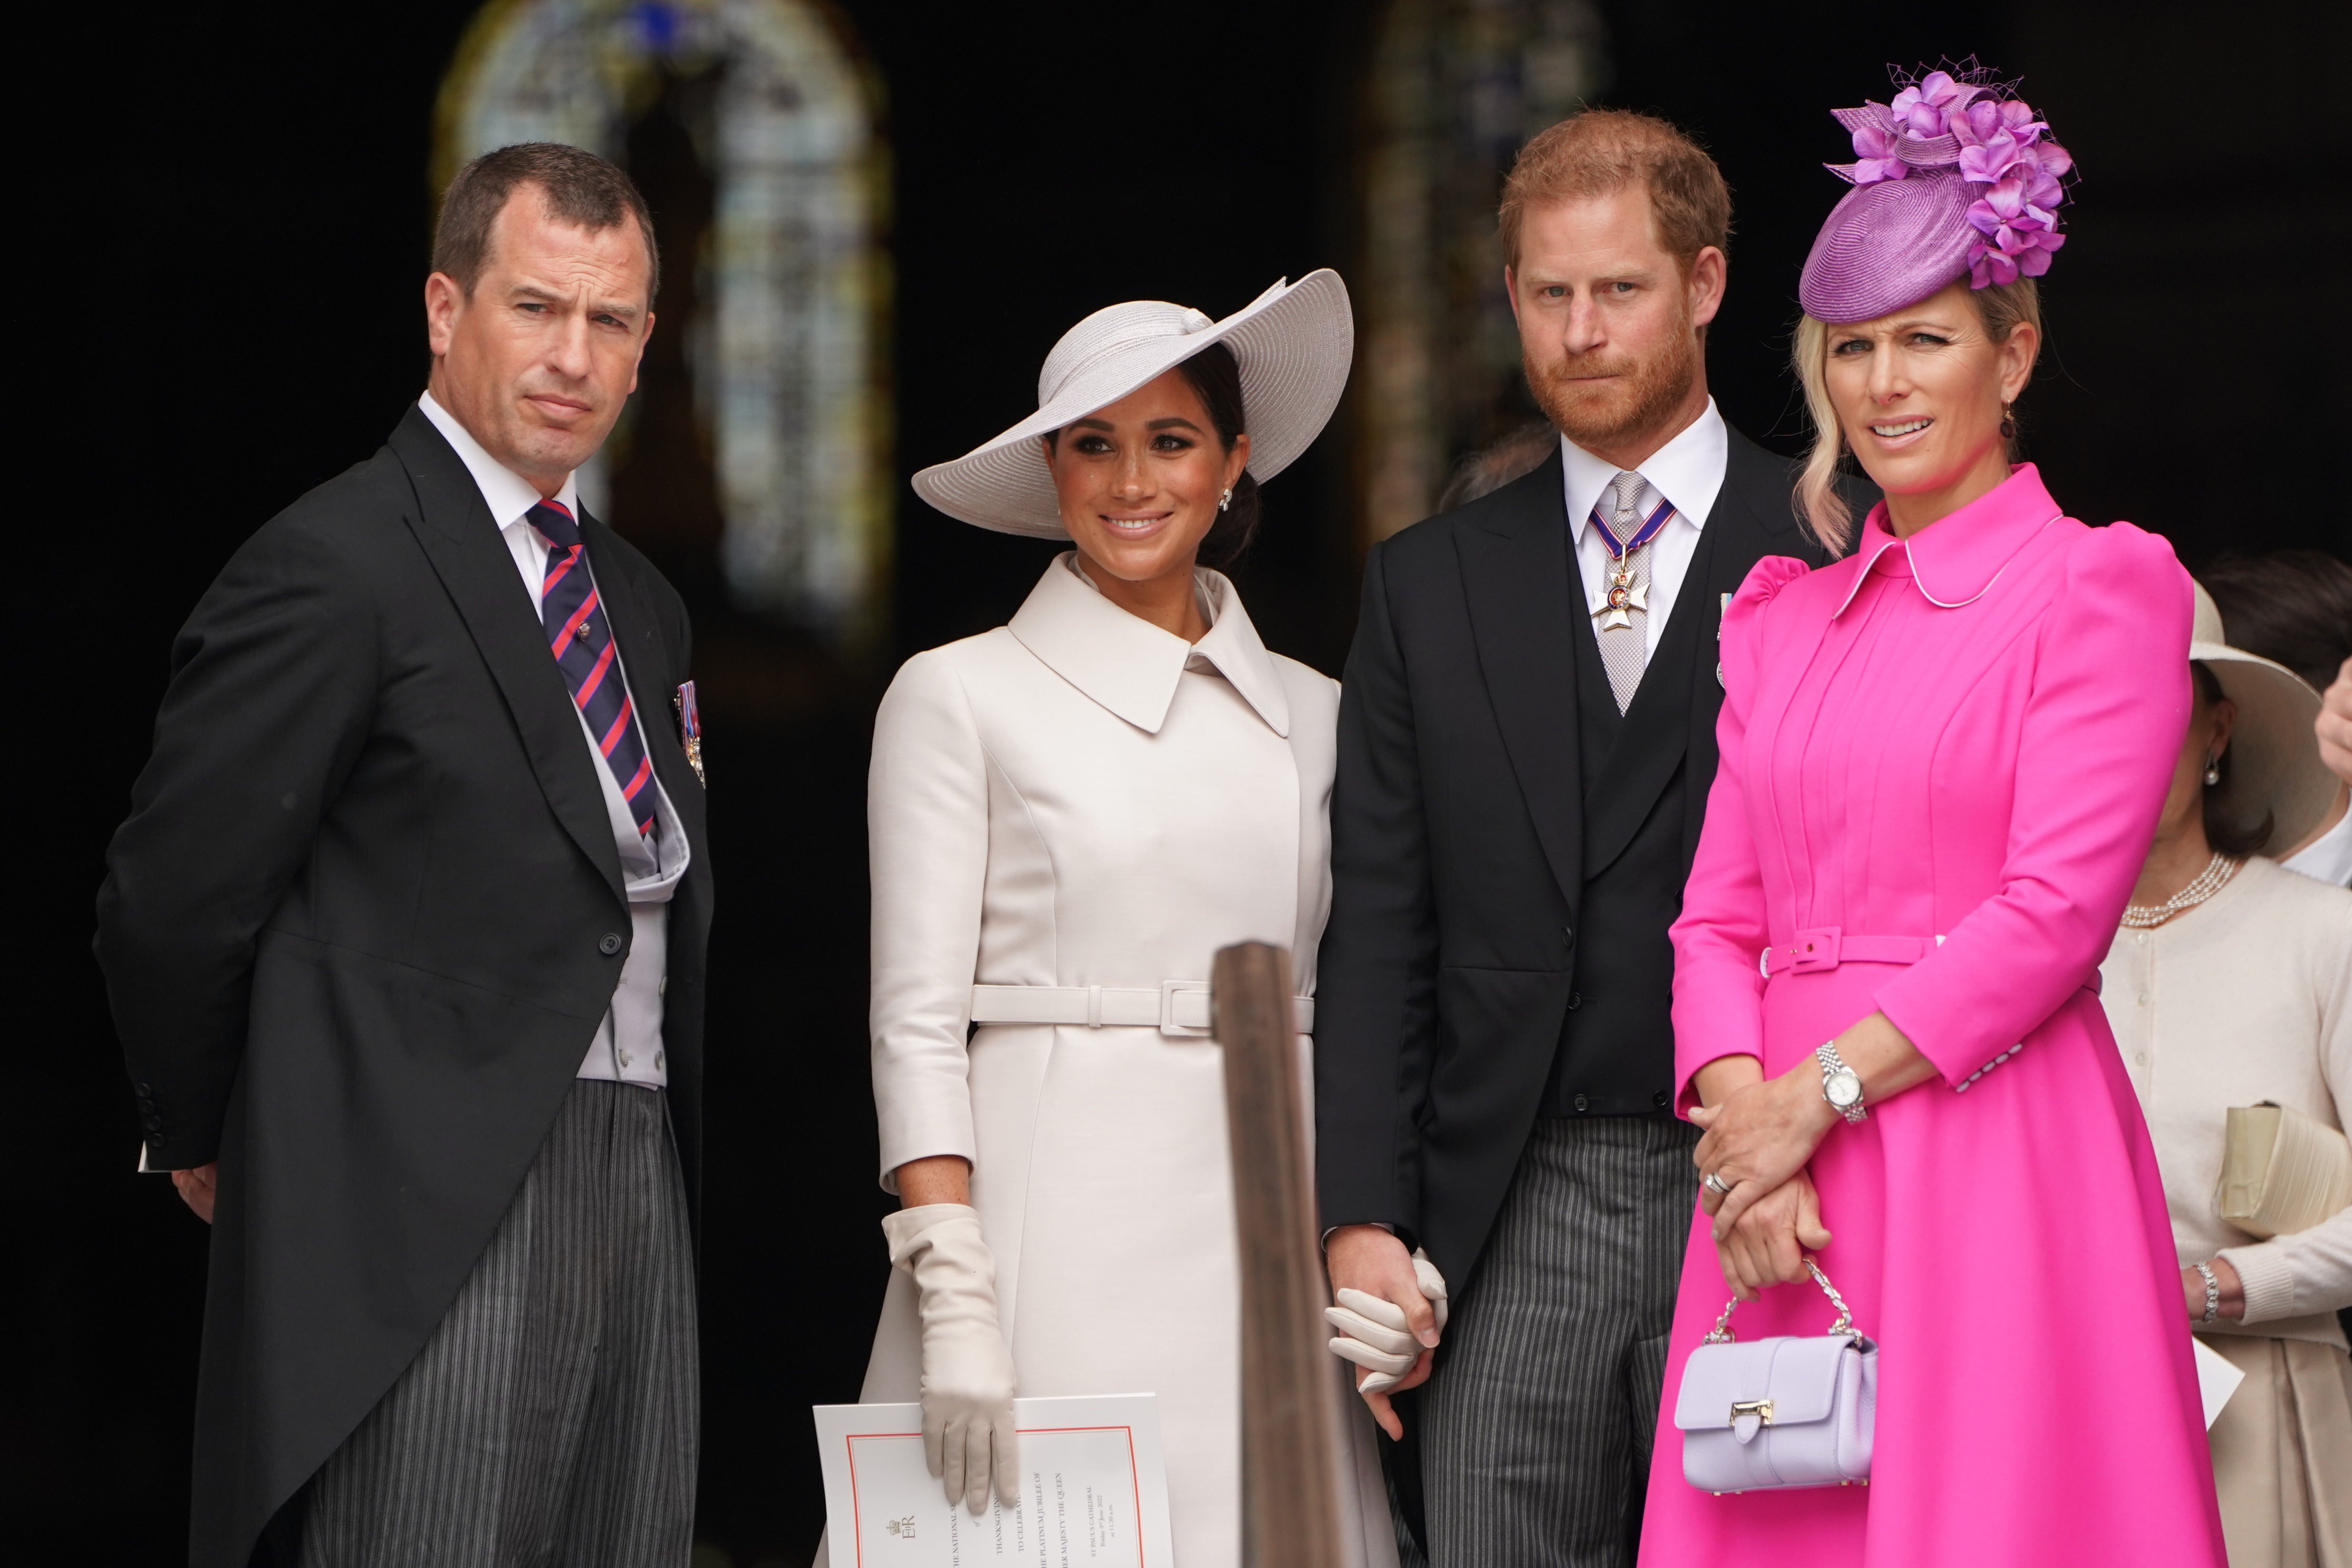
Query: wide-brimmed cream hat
[1294, 344]
[2273, 764]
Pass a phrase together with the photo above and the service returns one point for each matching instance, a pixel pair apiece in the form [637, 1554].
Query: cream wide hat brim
[2274, 764]
[1294, 344]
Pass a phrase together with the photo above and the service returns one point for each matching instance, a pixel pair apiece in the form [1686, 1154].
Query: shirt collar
[1686, 470]
[1131, 667]
[507, 494]
[1954, 559]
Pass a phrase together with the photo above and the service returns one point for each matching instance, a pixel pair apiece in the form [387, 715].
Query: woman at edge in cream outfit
[2229, 983]
[1101, 794]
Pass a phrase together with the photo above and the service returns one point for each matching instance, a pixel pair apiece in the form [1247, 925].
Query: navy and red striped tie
[580, 637]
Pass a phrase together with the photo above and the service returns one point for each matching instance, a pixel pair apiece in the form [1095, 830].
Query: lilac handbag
[1782, 1412]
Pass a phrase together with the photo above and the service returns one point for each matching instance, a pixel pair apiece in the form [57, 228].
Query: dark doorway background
[222, 249]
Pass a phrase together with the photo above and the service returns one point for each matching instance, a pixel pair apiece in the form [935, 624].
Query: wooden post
[1289, 1510]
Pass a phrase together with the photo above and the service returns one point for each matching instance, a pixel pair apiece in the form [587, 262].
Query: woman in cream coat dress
[1069, 816]
[2230, 983]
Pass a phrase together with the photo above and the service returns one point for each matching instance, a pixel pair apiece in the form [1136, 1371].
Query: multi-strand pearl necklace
[2210, 881]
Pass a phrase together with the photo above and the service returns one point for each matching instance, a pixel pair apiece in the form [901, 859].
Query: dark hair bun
[1216, 376]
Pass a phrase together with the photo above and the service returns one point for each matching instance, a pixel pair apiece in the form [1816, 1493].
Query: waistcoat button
[1580, 1102]
[1575, 1000]
[611, 943]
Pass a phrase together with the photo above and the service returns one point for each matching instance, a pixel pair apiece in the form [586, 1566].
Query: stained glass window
[788, 291]
[1452, 89]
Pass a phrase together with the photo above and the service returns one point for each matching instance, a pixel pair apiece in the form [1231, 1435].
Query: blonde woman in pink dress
[1942, 759]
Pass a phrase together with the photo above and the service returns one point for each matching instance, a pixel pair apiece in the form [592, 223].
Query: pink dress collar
[1954, 559]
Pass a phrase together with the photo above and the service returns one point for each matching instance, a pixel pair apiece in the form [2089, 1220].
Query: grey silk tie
[1625, 632]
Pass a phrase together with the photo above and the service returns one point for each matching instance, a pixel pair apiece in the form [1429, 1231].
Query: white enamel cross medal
[1625, 595]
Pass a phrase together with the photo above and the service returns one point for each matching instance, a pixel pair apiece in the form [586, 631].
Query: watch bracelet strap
[1826, 1053]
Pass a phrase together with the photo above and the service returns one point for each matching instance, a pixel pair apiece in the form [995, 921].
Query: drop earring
[2212, 770]
[1225, 502]
[2008, 425]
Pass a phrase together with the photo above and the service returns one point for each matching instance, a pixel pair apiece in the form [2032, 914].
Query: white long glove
[1375, 1335]
[967, 1369]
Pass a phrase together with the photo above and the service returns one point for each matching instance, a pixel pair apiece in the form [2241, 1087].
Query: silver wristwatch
[1841, 1084]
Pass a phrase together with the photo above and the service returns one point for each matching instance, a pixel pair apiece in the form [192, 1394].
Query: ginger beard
[1639, 396]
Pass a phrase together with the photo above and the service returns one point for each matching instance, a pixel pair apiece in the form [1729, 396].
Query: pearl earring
[2212, 770]
[1225, 500]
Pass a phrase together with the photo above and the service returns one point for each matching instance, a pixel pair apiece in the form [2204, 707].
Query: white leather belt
[1178, 1007]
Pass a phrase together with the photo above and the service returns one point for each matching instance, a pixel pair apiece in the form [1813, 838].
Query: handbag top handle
[1722, 1334]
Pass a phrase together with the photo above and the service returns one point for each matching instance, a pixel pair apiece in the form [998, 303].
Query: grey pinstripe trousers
[550, 1420]
[1536, 1426]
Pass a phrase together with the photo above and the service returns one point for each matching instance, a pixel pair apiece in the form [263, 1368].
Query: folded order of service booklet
[1094, 1490]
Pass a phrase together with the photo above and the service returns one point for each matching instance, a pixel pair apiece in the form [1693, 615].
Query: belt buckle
[1815, 950]
[1169, 990]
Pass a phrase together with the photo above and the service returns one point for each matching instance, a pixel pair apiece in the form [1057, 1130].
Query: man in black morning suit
[1527, 738]
[405, 940]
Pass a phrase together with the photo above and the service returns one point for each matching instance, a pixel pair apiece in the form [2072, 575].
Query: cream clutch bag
[2281, 1170]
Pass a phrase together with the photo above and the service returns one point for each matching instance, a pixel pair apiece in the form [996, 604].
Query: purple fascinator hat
[1956, 178]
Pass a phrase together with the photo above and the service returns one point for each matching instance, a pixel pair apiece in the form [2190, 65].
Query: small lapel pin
[690, 729]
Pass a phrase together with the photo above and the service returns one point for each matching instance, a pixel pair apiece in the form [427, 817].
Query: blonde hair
[1599, 153]
[1827, 517]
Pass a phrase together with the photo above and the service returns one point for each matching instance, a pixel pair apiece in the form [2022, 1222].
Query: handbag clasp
[1759, 1408]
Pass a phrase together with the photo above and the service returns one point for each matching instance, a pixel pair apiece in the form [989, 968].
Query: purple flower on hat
[1997, 135]
[1874, 146]
[2017, 235]
[1986, 118]
[1987, 161]
[1925, 107]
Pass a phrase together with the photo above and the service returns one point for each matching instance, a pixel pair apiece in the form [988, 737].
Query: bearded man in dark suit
[1527, 738]
[405, 940]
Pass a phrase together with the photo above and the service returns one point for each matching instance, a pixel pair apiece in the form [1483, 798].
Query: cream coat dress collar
[1131, 667]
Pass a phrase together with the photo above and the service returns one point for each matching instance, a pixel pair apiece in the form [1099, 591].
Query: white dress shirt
[1687, 472]
[628, 1044]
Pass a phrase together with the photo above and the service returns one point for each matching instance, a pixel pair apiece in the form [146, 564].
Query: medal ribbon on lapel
[690, 729]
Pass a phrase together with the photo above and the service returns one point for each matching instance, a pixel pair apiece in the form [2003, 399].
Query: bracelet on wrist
[2212, 1292]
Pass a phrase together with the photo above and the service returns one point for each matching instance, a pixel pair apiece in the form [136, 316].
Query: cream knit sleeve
[2310, 1271]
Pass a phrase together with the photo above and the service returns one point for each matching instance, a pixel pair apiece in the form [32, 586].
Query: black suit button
[155, 1142]
[1575, 1000]
[153, 1122]
[142, 1090]
[1580, 1102]
[1659, 1099]
[610, 945]
[1568, 933]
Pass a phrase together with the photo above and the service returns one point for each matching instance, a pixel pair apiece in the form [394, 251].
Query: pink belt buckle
[1814, 950]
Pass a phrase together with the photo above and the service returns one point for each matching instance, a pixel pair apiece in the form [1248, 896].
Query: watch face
[1844, 1089]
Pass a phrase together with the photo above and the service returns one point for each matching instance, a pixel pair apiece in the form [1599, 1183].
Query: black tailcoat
[360, 929]
[1466, 832]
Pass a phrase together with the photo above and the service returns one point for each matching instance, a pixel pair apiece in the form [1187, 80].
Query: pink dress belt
[1819, 948]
